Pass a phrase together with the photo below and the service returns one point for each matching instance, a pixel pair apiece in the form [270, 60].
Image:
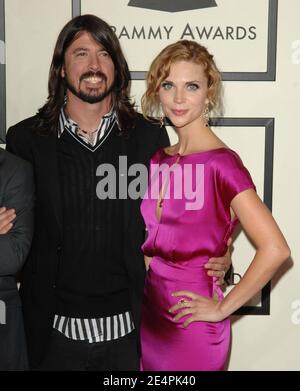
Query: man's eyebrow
[80, 50]
[86, 50]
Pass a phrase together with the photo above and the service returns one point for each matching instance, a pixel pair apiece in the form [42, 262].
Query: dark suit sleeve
[19, 194]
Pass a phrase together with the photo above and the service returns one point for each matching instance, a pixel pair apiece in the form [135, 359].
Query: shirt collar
[104, 129]
[65, 120]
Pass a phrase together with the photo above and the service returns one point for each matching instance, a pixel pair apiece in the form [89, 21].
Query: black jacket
[16, 191]
[40, 272]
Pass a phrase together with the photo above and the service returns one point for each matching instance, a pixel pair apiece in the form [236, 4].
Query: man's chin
[92, 98]
[90, 95]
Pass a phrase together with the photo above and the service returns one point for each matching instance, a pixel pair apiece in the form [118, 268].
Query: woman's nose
[179, 96]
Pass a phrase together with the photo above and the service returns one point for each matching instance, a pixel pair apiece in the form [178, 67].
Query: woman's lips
[179, 112]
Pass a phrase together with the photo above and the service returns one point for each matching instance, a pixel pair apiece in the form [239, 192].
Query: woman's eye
[81, 54]
[192, 87]
[166, 86]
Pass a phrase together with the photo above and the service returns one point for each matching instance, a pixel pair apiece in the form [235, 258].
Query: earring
[161, 121]
[205, 115]
[162, 117]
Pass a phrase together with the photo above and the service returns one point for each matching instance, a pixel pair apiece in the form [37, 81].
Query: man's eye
[166, 86]
[192, 87]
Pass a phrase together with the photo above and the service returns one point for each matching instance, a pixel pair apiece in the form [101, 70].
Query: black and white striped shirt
[95, 330]
[110, 327]
[99, 136]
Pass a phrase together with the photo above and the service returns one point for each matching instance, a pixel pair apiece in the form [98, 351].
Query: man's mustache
[93, 74]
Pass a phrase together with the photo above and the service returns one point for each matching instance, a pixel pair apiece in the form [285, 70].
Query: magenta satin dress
[180, 243]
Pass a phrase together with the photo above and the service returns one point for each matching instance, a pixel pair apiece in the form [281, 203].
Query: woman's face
[183, 95]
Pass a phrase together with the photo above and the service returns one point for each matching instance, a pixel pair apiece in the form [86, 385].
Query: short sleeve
[231, 175]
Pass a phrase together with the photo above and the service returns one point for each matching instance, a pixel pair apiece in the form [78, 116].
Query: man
[83, 282]
[16, 229]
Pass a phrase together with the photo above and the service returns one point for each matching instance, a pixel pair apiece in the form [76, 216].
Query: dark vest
[92, 280]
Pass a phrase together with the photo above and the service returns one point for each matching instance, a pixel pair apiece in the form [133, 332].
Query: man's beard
[90, 97]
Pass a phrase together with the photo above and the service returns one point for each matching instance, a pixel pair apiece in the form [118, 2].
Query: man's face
[88, 69]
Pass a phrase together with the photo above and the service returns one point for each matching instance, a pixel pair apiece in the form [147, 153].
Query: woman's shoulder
[226, 157]
[230, 169]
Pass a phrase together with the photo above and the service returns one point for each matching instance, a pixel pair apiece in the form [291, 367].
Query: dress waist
[192, 271]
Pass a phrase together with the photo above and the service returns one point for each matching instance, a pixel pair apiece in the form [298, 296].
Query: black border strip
[269, 75]
[2, 78]
[76, 8]
[268, 124]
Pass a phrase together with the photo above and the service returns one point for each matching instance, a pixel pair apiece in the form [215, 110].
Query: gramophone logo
[172, 5]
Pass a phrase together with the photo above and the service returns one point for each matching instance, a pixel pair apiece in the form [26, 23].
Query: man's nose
[94, 62]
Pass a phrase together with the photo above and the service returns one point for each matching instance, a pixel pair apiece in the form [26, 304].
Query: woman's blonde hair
[184, 50]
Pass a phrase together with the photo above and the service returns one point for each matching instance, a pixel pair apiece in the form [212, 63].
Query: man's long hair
[48, 115]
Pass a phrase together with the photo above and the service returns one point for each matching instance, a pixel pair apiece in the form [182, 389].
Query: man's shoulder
[148, 137]
[25, 125]
[145, 127]
[21, 133]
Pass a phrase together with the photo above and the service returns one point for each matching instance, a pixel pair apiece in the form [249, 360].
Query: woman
[185, 324]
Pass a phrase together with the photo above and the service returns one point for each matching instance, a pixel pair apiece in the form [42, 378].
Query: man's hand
[6, 218]
[218, 267]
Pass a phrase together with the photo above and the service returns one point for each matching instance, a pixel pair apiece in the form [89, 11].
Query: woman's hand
[199, 307]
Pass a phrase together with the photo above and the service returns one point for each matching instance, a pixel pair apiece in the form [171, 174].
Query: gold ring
[182, 301]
